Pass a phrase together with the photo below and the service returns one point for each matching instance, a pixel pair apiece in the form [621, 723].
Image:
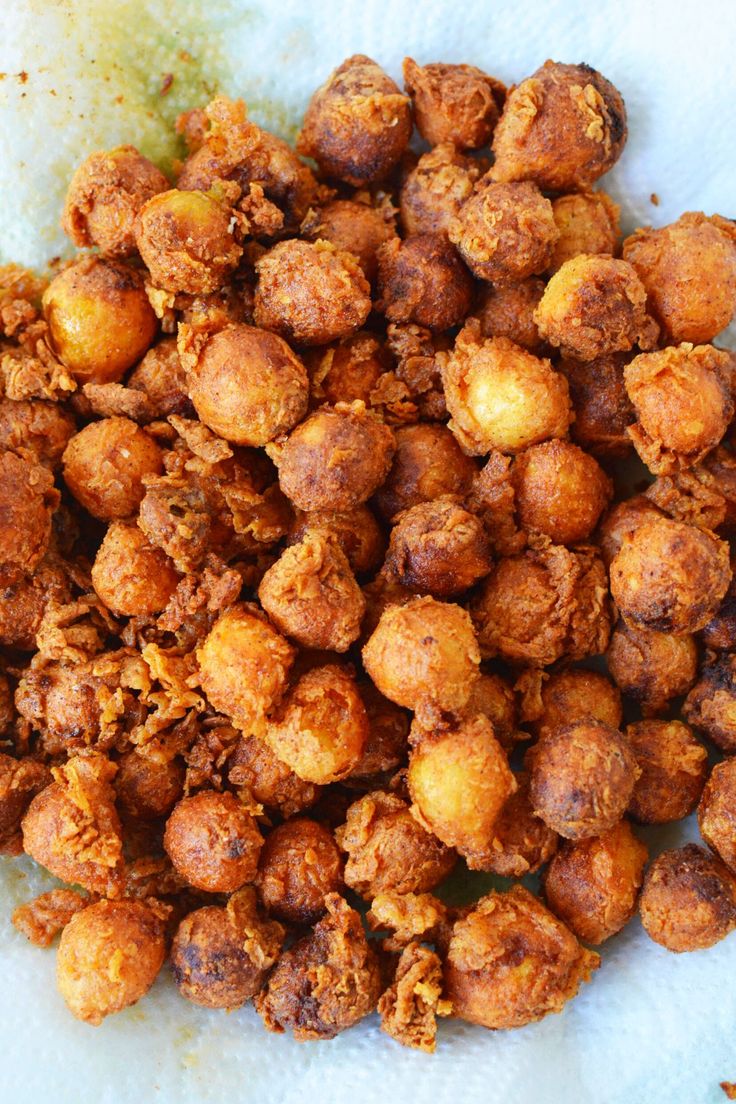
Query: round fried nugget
[674, 767]
[27, 500]
[689, 899]
[717, 812]
[267, 780]
[508, 311]
[132, 578]
[421, 279]
[573, 695]
[146, 787]
[651, 667]
[603, 410]
[520, 842]
[300, 865]
[621, 522]
[348, 370]
[438, 548]
[20, 781]
[352, 226]
[453, 103]
[25, 599]
[428, 463]
[356, 531]
[162, 379]
[587, 223]
[710, 704]
[434, 190]
[104, 467]
[213, 842]
[560, 491]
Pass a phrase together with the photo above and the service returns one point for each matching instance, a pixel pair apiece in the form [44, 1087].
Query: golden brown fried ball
[595, 305]
[220, 956]
[104, 466]
[603, 410]
[162, 379]
[651, 667]
[347, 371]
[683, 404]
[354, 227]
[542, 605]
[34, 430]
[593, 884]
[358, 124]
[27, 501]
[510, 962]
[582, 778]
[188, 241]
[300, 865]
[244, 667]
[563, 127]
[213, 842]
[428, 464]
[146, 787]
[505, 232]
[409, 1007]
[356, 531]
[720, 633]
[311, 594]
[587, 223]
[717, 812]
[434, 190]
[621, 522]
[335, 459]
[389, 850]
[104, 197]
[20, 781]
[689, 271]
[109, 956]
[560, 491]
[326, 982]
[500, 396]
[100, 320]
[386, 746]
[132, 578]
[268, 781]
[453, 103]
[508, 311]
[438, 548]
[670, 577]
[711, 704]
[424, 656]
[421, 279]
[310, 292]
[247, 385]
[321, 728]
[577, 694]
[459, 779]
[674, 767]
[520, 841]
[689, 899]
[493, 696]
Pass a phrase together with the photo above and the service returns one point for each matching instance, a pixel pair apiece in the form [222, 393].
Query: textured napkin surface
[652, 1028]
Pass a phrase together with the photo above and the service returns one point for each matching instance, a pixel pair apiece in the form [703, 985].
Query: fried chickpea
[670, 577]
[651, 667]
[438, 548]
[27, 501]
[717, 812]
[100, 321]
[500, 396]
[389, 850]
[326, 982]
[300, 865]
[592, 885]
[674, 767]
[711, 704]
[510, 962]
[353, 227]
[269, 782]
[34, 430]
[335, 459]
[247, 385]
[621, 522]
[104, 467]
[321, 728]
[505, 232]
[535, 608]
[310, 292]
[577, 694]
[20, 781]
[689, 271]
[459, 779]
[520, 841]
[719, 634]
[508, 311]
[162, 379]
[358, 124]
[582, 778]
[356, 531]
[492, 696]
[421, 279]
[560, 491]
[424, 656]
[213, 842]
[683, 404]
[434, 190]
[428, 463]
[386, 746]
[220, 956]
[689, 899]
[409, 1007]
[587, 223]
[244, 666]
[563, 127]
[104, 197]
[132, 578]
[595, 305]
[453, 103]
[348, 370]
[147, 788]
[603, 410]
[109, 956]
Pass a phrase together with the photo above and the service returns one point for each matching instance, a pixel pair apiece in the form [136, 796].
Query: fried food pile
[311, 522]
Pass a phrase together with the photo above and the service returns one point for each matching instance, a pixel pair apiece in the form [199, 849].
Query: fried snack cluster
[314, 552]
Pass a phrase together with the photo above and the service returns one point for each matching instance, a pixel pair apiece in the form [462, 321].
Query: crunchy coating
[326, 982]
[386, 746]
[521, 842]
[582, 778]
[493, 696]
[621, 522]
[161, 378]
[409, 917]
[563, 127]
[720, 633]
[213, 842]
[36, 431]
[410, 1006]
[428, 464]
[354, 226]
[603, 410]
[27, 501]
[356, 531]
[689, 899]
[348, 370]
[434, 190]
[104, 467]
[132, 578]
[453, 103]
[508, 311]
[300, 865]
[560, 491]
[109, 956]
[358, 124]
[421, 279]
[651, 667]
[709, 706]
[587, 223]
[593, 884]
[20, 781]
[147, 787]
[265, 780]
[572, 695]
[717, 812]
[438, 548]
[510, 962]
[674, 767]
[41, 919]
[504, 232]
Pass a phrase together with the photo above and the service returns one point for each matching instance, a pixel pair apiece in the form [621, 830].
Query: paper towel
[652, 1028]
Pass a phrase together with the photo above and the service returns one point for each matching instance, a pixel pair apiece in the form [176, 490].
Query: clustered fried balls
[318, 579]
